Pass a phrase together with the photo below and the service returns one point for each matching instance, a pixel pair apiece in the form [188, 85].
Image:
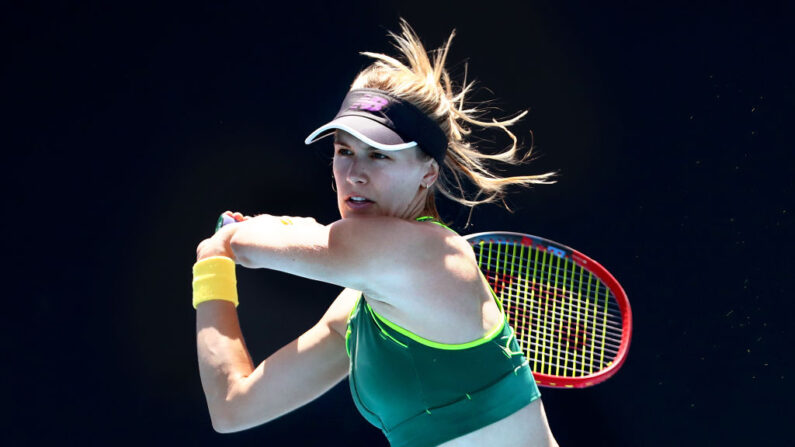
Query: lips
[358, 202]
[357, 198]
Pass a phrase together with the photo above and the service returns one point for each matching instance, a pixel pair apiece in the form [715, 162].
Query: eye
[379, 156]
[344, 151]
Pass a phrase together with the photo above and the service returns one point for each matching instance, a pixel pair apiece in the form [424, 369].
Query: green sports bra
[422, 393]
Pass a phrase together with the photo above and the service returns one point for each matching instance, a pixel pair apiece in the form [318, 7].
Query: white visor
[364, 129]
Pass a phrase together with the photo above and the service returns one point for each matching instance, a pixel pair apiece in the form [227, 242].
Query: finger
[223, 219]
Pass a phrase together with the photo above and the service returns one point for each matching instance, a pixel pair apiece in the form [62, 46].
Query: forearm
[277, 243]
[223, 357]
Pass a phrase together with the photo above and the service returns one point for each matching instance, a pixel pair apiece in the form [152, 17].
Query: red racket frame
[600, 273]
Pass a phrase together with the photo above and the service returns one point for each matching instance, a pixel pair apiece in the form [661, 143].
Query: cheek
[337, 168]
[404, 183]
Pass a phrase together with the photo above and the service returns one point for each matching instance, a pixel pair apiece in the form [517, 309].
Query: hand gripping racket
[571, 317]
[225, 219]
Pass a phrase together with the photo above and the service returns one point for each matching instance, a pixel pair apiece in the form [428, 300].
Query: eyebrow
[342, 143]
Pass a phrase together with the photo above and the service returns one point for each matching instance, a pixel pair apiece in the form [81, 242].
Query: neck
[417, 207]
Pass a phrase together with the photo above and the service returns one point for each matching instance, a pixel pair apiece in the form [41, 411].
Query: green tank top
[422, 393]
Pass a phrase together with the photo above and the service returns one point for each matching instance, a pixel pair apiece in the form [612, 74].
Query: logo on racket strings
[574, 335]
[499, 281]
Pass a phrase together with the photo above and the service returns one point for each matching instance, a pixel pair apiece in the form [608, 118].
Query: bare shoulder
[389, 231]
[336, 317]
[394, 254]
[421, 276]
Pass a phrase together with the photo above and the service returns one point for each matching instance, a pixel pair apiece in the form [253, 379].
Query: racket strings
[573, 341]
[566, 320]
[610, 327]
[544, 347]
[537, 278]
[517, 292]
[577, 339]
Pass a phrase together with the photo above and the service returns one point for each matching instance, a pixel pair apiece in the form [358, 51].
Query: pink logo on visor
[370, 103]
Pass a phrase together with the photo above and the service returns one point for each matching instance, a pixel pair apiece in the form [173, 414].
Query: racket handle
[224, 219]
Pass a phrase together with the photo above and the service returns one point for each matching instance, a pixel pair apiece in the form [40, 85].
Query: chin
[359, 213]
[369, 212]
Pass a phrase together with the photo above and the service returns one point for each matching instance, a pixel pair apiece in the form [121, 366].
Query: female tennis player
[424, 341]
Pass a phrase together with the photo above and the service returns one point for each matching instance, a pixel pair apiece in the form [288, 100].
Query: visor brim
[365, 130]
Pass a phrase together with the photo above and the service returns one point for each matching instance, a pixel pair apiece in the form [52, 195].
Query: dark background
[127, 129]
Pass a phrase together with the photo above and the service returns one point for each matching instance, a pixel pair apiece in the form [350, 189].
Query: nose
[357, 174]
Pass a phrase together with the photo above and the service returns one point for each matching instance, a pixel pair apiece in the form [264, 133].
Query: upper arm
[380, 256]
[291, 377]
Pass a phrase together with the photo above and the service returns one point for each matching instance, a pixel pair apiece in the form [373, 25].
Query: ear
[431, 174]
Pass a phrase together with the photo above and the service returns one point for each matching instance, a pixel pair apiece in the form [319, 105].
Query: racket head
[571, 316]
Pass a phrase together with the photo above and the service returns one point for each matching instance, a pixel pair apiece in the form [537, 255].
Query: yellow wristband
[214, 279]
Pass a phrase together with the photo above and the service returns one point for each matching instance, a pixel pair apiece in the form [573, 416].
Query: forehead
[340, 136]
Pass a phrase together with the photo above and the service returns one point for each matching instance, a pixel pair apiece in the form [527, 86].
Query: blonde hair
[427, 84]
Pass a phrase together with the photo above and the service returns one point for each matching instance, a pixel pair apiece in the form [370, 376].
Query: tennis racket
[571, 317]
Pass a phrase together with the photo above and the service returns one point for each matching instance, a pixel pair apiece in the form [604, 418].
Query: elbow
[224, 428]
[221, 427]
[223, 421]
[228, 413]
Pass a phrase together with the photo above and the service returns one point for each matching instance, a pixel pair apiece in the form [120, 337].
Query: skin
[392, 179]
[432, 288]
